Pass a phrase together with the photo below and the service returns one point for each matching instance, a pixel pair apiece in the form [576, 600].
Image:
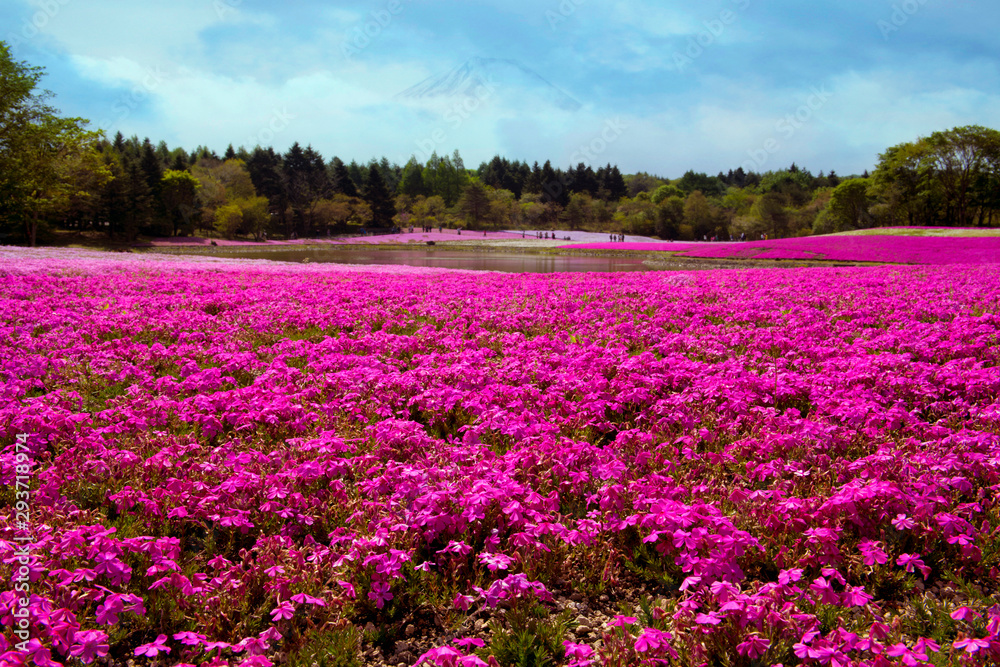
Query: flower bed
[241, 463]
[890, 249]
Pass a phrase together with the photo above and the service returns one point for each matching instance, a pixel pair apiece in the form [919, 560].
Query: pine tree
[342, 181]
[295, 170]
[179, 163]
[533, 184]
[358, 175]
[412, 180]
[615, 184]
[378, 197]
[475, 204]
[551, 188]
[139, 201]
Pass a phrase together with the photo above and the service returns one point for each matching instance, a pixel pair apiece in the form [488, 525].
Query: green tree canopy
[36, 148]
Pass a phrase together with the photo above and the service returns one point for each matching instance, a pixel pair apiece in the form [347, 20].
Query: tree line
[56, 174]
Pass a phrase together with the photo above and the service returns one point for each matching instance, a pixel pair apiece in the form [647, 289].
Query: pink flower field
[211, 462]
[888, 249]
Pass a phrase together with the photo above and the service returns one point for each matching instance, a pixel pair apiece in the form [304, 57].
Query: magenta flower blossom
[303, 598]
[911, 562]
[190, 638]
[754, 646]
[380, 593]
[579, 654]
[654, 642]
[284, 610]
[495, 561]
[153, 648]
[964, 614]
[89, 645]
[443, 656]
[107, 611]
[711, 618]
[469, 641]
[971, 645]
[622, 621]
[872, 552]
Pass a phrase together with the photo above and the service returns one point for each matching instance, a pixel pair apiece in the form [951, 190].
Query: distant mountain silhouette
[469, 78]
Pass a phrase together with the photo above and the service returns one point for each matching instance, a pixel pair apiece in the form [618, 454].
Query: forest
[56, 176]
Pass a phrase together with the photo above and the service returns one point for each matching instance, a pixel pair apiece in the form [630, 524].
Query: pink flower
[903, 522]
[463, 602]
[972, 645]
[651, 640]
[855, 596]
[822, 587]
[577, 650]
[622, 621]
[283, 610]
[303, 598]
[380, 593]
[911, 561]
[469, 641]
[495, 561]
[189, 638]
[443, 656]
[107, 612]
[787, 577]
[89, 644]
[153, 648]
[964, 614]
[754, 647]
[872, 552]
[711, 618]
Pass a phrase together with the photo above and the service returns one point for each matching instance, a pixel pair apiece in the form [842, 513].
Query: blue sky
[659, 87]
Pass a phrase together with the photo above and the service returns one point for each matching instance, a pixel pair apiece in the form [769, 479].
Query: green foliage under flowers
[529, 636]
